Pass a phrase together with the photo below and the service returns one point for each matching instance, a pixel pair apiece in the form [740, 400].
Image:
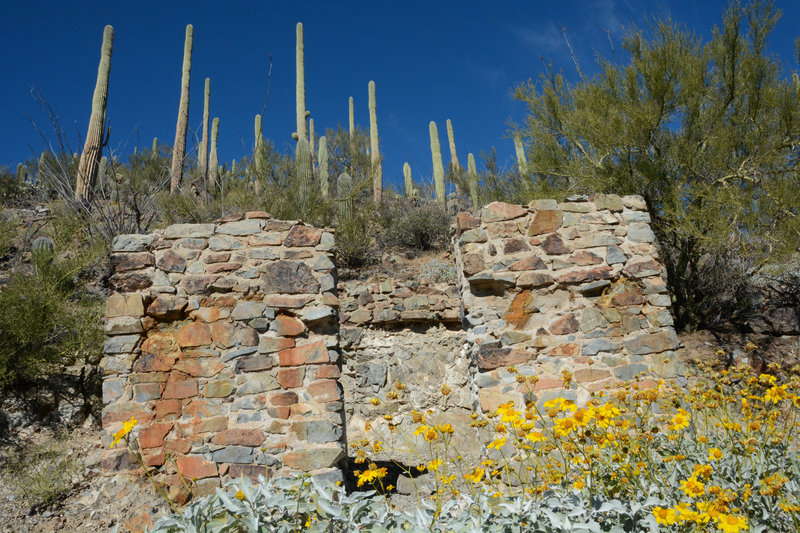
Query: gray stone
[121, 344]
[473, 235]
[614, 256]
[223, 243]
[640, 233]
[179, 231]
[634, 201]
[543, 205]
[114, 389]
[238, 353]
[326, 242]
[258, 383]
[317, 431]
[628, 372]
[594, 287]
[322, 264]
[317, 313]
[631, 217]
[646, 343]
[513, 337]
[131, 243]
[265, 254]
[592, 319]
[600, 345]
[612, 202]
[661, 318]
[289, 277]
[484, 379]
[248, 310]
[192, 244]
[659, 300]
[423, 485]
[248, 226]
[233, 454]
[122, 325]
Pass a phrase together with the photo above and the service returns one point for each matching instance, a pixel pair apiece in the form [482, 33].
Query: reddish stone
[159, 343]
[327, 372]
[131, 261]
[547, 384]
[180, 389]
[324, 391]
[154, 458]
[512, 246]
[553, 245]
[529, 263]
[171, 261]
[111, 417]
[520, 310]
[282, 412]
[302, 236]
[153, 435]
[473, 263]
[568, 349]
[643, 269]
[309, 354]
[167, 307]
[590, 374]
[222, 267]
[564, 325]
[584, 258]
[197, 284]
[257, 214]
[581, 276]
[545, 222]
[165, 408]
[287, 302]
[195, 467]
[215, 424]
[202, 407]
[199, 367]
[297, 254]
[180, 446]
[193, 334]
[497, 211]
[265, 239]
[228, 335]
[489, 359]
[465, 221]
[148, 362]
[129, 282]
[291, 378]
[218, 257]
[287, 326]
[282, 399]
[275, 344]
[239, 437]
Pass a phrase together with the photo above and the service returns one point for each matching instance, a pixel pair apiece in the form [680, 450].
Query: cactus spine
[179, 148]
[408, 181]
[472, 172]
[438, 167]
[522, 163]
[323, 166]
[344, 188]
[213, 161]
[300, 88]
[93, 147]
[304, 167]
[375, 154]
[202, 164]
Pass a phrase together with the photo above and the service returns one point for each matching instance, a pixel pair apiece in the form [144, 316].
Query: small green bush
[439, 271]
[41, 474]
[417, 228]
[354, 242]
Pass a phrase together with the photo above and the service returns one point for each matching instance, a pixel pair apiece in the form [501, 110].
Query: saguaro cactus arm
[202, 157]
[213, 160]
[300, 88]
[375, 154]
[93, 147]
[409, 182]
[179, 147]
[522, 162]
[472, 172]
[438, 167]
[451, 139]
[352, 120]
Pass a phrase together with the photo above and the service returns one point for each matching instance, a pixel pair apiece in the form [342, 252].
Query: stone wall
[573, 286]
[223, 344]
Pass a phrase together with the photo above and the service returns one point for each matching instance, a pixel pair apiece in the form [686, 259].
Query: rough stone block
[314, 353]
[313, 458]
[195, 467]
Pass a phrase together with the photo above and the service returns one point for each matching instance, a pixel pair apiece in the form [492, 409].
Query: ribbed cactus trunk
[352, 116]
[258, 156]
[311, 139]
[472, 173]
[202, 157]
[522, 162]
[179, 147]
[22, 172]
[154, 149]
[304, 168]
[438, 167]
[409, 183]
[322, 158]
[300, 87]
[93, 147]
[453, 155]
[213, 160]
[375, 154]
[344, 188]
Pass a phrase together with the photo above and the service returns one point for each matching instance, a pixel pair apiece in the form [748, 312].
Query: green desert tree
[707, 132]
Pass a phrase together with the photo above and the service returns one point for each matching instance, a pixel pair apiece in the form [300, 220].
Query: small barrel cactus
[42, 252]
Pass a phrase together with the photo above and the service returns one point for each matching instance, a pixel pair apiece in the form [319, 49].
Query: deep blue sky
[429, 60]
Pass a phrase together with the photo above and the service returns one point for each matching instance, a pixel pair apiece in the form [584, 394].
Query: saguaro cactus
[522, 162]
[311, 139]
[375, 154]
[202, 157]
[472, 173]
[408, 181]
[300, 88]
[93, 147]
[22, 173]
[438, 167]
[323, 166]
[154, 152]
[304, 167]
[179, 147]
[344, 188]
[453, 156]
[213, 160]
[42, 253]
[352, 120]
[258, 155]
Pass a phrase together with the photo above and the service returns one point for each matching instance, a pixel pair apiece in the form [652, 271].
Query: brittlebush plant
[721, 455]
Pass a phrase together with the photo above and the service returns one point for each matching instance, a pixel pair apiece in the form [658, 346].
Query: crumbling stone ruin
[240, 353]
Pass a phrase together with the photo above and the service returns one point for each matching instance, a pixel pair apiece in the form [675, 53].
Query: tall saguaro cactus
[304, 167]
[179, 147]
[344, 189]
[438, 167]
[352, 120]
[154, 150]
[323, 166]
[409, 183]
[453, 156]
[93, 147]
[300, 87]
[258, 155]
[522, 162]
[213, 160]
[202, 161]
[311, 139]
[375, 154]
[472, 173]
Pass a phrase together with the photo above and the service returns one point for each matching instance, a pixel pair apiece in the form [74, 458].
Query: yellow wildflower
[664, 517]
[680, 420]
[775, 394]
[445, 428]
[714, 454]
[497, 443]
[371, 474]
[239, 495]
[126, 428]
[475, 476]
[375, 401]
[693, 488]
[435, 464]
[732, 523]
